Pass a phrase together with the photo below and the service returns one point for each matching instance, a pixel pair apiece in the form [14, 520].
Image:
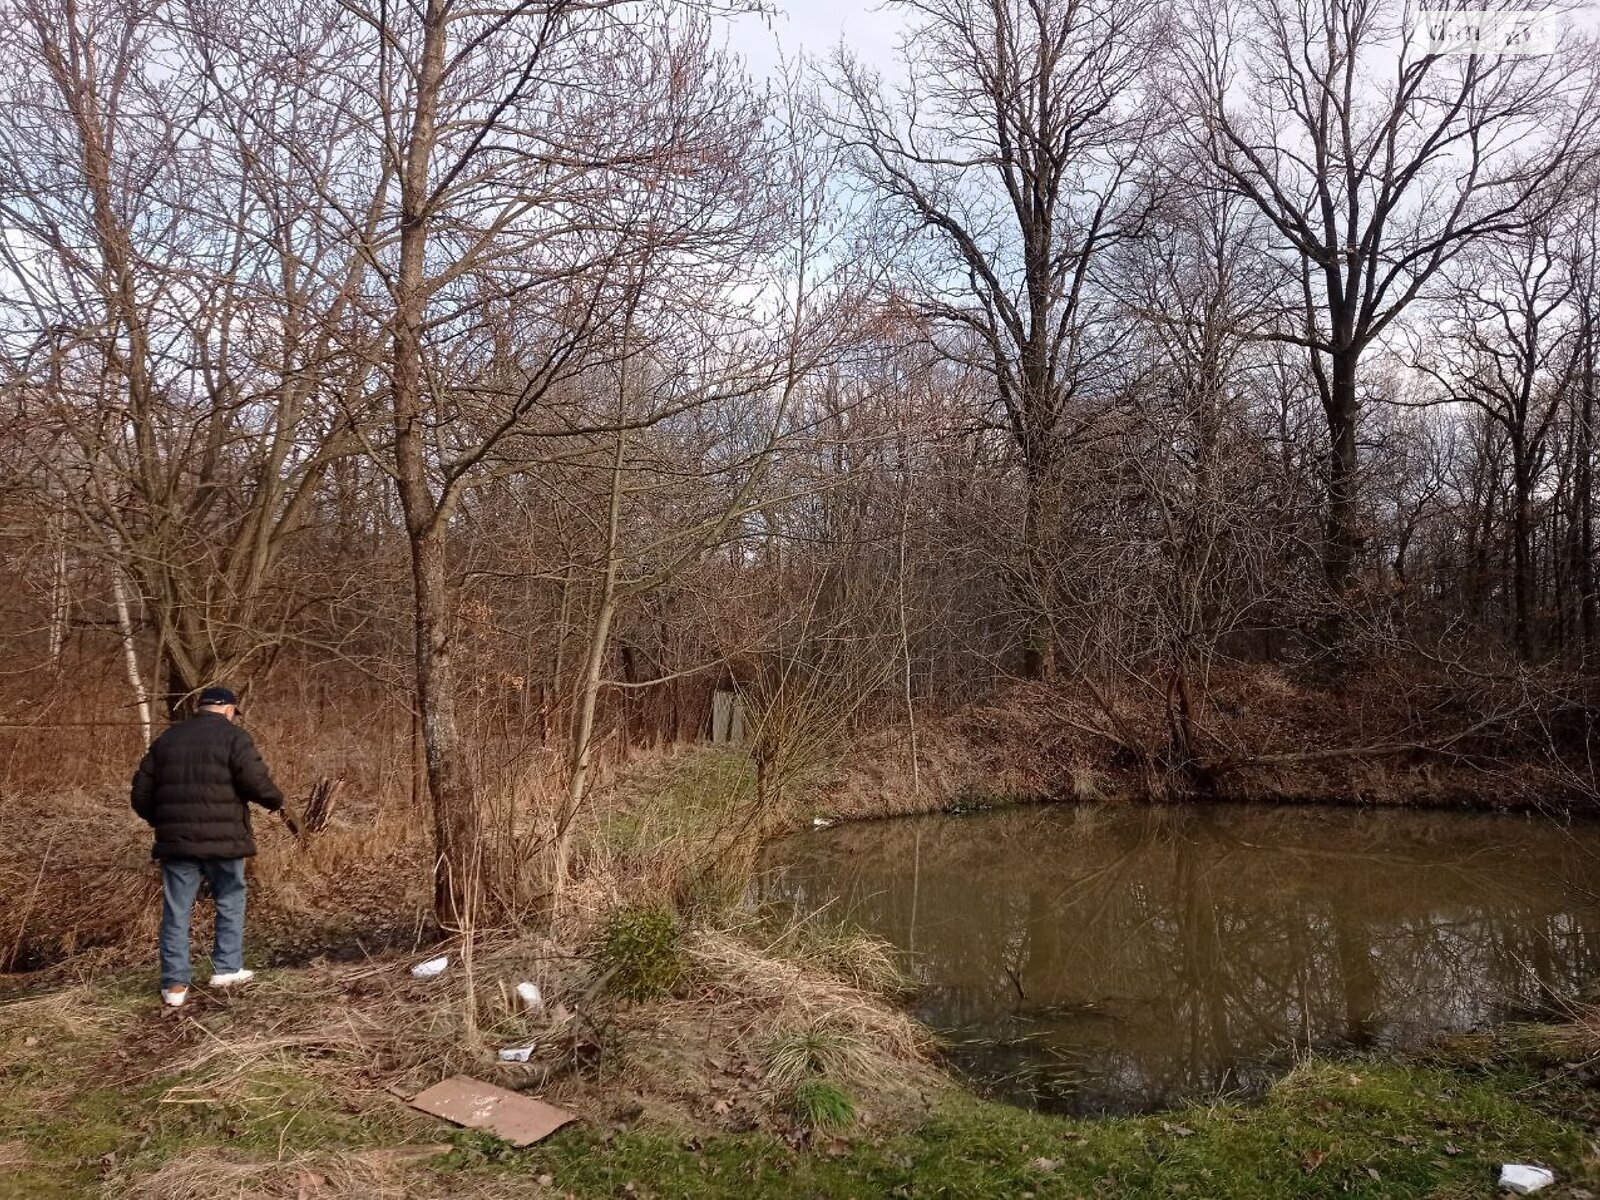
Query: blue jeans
[180, 884]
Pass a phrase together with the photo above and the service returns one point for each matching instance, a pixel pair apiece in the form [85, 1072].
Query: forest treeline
[531, 364]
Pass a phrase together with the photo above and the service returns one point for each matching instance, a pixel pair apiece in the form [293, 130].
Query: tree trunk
[1342, 539]
[1522, 564]
[60, 597]
[1342, 542]
[1038, 648]
[1584, 483]
[130, 650]
[180, 683]
[457, 824]
[905, 633]
[593, 672]
[459, 863]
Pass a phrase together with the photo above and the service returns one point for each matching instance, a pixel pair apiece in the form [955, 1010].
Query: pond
[1118, 959]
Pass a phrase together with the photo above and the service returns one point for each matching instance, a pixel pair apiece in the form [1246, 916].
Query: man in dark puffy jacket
[194, 787]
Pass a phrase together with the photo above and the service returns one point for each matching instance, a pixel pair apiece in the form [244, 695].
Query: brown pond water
[1119, 959]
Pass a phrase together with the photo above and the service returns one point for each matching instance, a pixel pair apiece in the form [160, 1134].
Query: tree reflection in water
[1116, 959]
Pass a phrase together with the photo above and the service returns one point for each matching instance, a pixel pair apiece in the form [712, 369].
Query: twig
[27, 909]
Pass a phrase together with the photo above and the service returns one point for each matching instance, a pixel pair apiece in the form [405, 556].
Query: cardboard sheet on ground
[520, 1120]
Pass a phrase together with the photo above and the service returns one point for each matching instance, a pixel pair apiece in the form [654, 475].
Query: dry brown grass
[1576, 1036]
[34, 1029]
[703, 1058]
[80, 895]
[379, 1174]
[365, 1031]
[74, 874]
[1026, 742]
[363, 1034]
[778, 992]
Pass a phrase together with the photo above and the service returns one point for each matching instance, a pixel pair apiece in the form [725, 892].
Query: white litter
[820, 822]
[1525, 1180]
[516, 1054]
[529, 994]
[431, 968]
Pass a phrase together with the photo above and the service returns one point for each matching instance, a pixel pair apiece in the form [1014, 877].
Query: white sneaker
[229, 978]
[173, 997]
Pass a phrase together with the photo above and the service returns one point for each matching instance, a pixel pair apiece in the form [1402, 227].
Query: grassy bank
[706, 1055]
[103, 1095]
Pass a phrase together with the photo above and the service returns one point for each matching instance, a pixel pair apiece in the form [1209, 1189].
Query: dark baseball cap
[217, 696]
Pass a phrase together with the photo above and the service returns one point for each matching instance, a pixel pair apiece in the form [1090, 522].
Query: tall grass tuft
[821, 1105]
[821, 1049]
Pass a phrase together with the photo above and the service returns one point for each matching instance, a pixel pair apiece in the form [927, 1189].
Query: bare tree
[710, 393]
[1006, 163]
[187, 392]
[520, 136]
[1375, 163]
[1205, 540]
[1512, 352]
[1583, 257]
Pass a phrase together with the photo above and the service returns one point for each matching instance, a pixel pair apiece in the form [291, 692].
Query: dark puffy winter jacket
[193, 787]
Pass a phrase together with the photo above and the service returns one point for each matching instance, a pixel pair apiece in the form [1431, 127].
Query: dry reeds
[790, 994]
[74, 875]
[75, 1009]
[320, 801]
[372, 1175]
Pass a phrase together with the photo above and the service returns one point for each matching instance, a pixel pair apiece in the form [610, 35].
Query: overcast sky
[815, 27]
[870, 28]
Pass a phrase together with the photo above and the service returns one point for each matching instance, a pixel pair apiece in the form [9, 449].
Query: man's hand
[290, 821]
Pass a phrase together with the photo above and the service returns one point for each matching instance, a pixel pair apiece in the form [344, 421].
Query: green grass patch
[85, 1101]
[686, 804]
[89, 1099]
[821, 1105]
[1362, 1128]
[120, 1131]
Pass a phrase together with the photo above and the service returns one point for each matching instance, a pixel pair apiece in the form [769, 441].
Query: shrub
[642, 947]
